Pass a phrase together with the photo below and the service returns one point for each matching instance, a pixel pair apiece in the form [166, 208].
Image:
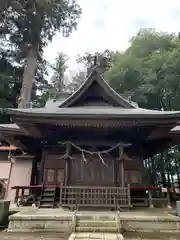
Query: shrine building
[86, 149]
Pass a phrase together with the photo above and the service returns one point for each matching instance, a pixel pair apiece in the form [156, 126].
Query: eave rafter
[11, 129]
[30, 122]
[30, 128]
[161, 132]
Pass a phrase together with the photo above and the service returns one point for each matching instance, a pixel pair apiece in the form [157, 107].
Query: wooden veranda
[74, 197]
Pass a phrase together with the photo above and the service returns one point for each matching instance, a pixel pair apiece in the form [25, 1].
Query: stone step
[96, 217]
[46, 205]
[95, 236]
[91, 223]
[97, 229]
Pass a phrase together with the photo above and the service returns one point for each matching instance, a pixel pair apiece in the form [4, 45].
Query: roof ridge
[118, 98]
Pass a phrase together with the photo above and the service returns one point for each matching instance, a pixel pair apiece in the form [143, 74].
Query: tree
[103, 60]
[30, 25]
[77, 81]
[57, 83]
[150, 69]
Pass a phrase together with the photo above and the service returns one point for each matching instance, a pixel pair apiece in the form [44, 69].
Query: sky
[109, 24]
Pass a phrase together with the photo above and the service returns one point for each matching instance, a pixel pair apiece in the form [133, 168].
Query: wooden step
[47, 199]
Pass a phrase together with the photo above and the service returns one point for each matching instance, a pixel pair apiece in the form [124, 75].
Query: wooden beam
[30, 129]
[160, 132]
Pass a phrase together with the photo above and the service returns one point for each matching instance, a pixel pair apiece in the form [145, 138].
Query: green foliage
[35, 22]
[150, 69]
[27, 24]
[57, 83]
[77, 81]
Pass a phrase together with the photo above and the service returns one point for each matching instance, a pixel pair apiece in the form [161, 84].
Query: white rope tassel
[65, 156]
[102, 160]
[83, 157]
[9, 155]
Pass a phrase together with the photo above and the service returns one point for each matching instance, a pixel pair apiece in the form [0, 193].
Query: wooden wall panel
[93, 172]
[54, 161]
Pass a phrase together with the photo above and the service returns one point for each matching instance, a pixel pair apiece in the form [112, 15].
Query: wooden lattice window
[50, 175]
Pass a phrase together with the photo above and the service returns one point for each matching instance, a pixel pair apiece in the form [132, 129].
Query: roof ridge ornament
[97, 63]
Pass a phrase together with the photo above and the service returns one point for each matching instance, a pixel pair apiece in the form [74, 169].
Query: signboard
[164, 190]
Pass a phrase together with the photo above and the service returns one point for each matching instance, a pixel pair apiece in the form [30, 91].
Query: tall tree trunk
[167, 165]
[162, 169]
[177, 171]
[177, 165]
[153, 171]
[29, 73]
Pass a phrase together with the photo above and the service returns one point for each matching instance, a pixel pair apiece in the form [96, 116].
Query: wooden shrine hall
[87, 149]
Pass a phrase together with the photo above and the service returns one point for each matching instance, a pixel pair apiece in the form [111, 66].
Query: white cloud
[109, 24]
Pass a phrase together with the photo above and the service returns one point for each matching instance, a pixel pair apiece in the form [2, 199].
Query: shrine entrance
[54, 170]
[53, 176]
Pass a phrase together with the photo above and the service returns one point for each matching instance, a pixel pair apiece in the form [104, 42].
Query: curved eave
[92, 77]
[91, 113]
[175, 130]
[174, 134]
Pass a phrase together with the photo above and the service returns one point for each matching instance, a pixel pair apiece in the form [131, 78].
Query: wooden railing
[85, 196]
[73, 196]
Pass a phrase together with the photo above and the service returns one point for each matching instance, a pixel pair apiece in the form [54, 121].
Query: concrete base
[38, 220]
[46, 220]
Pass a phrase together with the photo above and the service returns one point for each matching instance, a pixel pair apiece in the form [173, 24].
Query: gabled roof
[96, 77]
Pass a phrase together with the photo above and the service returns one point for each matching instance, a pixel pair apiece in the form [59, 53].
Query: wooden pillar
[150, 199]
[67, 166]
[34, 169]
[42, 163]
[122, 176]
[168, 200]
[115, 169]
